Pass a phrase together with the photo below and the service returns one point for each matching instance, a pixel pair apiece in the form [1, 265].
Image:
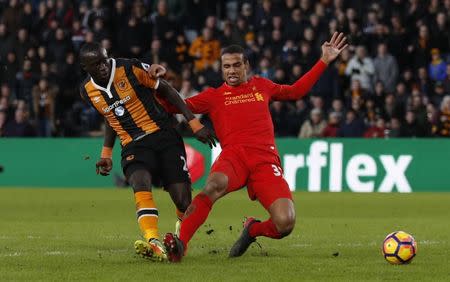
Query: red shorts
[257, 168]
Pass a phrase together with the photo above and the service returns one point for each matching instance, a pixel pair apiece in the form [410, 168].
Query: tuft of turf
[70, 234]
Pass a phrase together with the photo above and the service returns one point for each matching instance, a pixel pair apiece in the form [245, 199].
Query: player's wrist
[325, 60]
[106, 153]
[195, 125]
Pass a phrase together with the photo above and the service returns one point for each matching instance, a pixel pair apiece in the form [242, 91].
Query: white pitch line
[56, 253]
[16, 254]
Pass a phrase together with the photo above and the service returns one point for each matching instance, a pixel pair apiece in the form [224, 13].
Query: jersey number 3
[277, 171]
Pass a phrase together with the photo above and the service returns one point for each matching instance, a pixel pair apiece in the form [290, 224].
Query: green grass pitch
[88, 234]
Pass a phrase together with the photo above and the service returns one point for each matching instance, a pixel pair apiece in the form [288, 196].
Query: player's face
[234, 69]
[97, 65]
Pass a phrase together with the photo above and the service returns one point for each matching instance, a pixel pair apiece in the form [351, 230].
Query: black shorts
[161, 153]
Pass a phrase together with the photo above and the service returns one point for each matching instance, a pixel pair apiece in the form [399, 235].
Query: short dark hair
[90, 47]
[233, 49]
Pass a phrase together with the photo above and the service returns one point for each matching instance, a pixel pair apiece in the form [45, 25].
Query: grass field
[68, 234]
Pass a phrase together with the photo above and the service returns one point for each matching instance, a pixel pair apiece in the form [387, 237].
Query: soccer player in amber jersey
[152, 151]
[239, 111]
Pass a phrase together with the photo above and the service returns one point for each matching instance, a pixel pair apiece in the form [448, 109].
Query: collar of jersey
[111, 79]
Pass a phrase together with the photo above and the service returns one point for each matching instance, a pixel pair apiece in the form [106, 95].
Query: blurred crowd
[392, 81]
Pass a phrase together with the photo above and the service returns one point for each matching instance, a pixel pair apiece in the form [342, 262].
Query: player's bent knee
[215, 190]
[216, 187]
[140, 181]
[284, 224]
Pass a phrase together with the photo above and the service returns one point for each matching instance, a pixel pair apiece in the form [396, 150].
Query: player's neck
[100, 82]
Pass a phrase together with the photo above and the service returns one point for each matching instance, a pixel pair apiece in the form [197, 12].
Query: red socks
[198, 211]
[266, 229]
[194, 217]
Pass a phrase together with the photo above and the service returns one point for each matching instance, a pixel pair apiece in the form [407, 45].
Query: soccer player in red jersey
[239, 110]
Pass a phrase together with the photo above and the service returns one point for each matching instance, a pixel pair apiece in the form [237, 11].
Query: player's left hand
[331, 49]
[157, 71]
[104, 166]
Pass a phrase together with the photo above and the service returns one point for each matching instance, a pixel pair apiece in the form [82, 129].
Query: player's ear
[247, 65]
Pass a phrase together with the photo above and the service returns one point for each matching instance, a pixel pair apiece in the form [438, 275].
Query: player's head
[94, 60]
[234, 65]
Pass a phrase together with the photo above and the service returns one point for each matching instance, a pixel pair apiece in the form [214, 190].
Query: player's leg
[147, 213]
[272, 191]
[181, 196]
[281, 221]
[195, 215]
[172, 161]
[138, 164]
[223, 179]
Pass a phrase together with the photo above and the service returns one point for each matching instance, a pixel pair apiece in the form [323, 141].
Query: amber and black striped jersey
[128, 102]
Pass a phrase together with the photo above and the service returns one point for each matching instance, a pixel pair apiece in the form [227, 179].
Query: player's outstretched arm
[201, 132]
[105, 164]
[330, 51]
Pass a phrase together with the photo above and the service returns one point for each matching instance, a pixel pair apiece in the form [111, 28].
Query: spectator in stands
[205, 49]
[411, 128]
[442, 127]
[447, 80]
[2, 121]
[355, 90]
[361, 68]
[391, 108]
[22, 45]
[44, 96]
[337, 106]
[441, 33]
[26, 79]
[313, 127]
[419, 109]
[419, 50]
[297, 117]
[377, 130]
[438, 94]
[265, 69]
[176, 9]
[386, 68]
[182, 52]
[12, 16]
[353, 125]
[332, 128]
[163, 24]
[6, 42]
[424, 83]
[437, 67]
[394, 128]
[280, 118]
[20, 125]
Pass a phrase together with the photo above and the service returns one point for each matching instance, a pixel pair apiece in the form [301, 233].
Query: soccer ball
[399, 248]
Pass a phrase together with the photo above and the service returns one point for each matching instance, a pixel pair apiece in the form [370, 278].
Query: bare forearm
[110, 136]
[174, 99]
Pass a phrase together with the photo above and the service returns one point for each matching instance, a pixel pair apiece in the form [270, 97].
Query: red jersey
[241, 115]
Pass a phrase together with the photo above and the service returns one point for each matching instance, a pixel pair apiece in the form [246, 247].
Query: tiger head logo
[122, 84]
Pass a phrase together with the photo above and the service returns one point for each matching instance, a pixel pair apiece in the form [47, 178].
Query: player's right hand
[206, 136]
[157, 71]
[104, 166]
